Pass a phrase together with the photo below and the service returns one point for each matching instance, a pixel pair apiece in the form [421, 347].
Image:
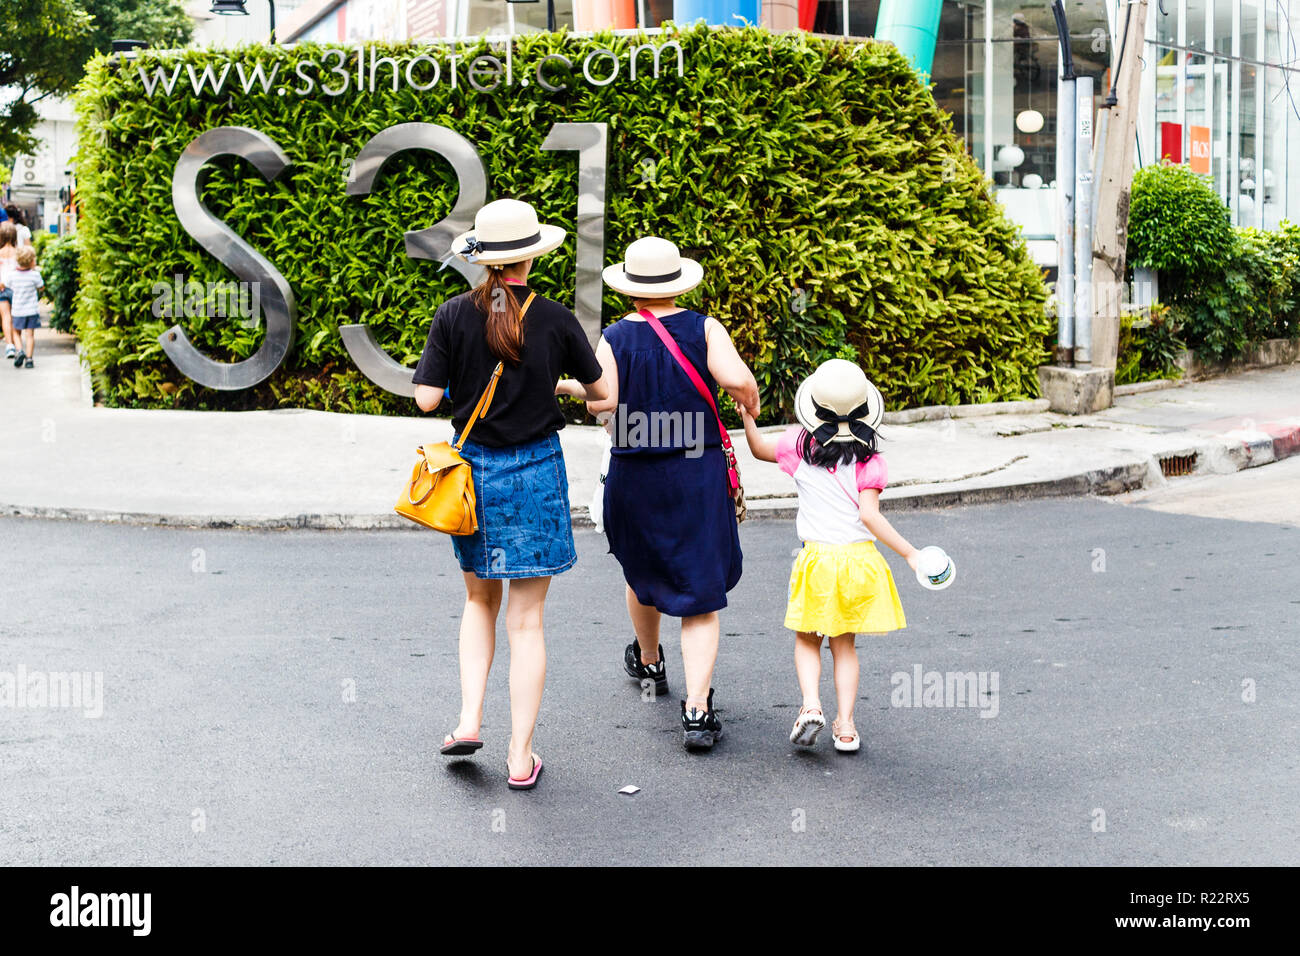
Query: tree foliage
[45, 44]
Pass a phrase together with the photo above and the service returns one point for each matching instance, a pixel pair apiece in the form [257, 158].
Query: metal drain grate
[1178, 466]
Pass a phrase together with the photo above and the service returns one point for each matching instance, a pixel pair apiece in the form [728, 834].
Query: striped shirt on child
[26, 284]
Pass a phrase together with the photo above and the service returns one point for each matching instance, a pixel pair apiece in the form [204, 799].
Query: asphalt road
[227, 736]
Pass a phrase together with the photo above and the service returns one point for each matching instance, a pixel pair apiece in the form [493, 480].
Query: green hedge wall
[834, 209]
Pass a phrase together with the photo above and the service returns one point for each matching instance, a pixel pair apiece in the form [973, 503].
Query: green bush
[40, 239]
[1228, 288]
[834, 210]
[1177, 225]
[59, 270]
[1251, 295]
[1270, 265]
[1149, 346]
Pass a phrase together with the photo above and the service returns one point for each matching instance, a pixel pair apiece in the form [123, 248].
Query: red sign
[1171, 142]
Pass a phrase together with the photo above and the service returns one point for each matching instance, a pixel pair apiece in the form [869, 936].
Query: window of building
[862, 16]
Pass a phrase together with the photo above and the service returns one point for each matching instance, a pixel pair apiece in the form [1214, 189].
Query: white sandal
[807, 726]
[846, 742]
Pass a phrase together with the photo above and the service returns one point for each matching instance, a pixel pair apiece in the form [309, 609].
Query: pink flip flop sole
[526, 783]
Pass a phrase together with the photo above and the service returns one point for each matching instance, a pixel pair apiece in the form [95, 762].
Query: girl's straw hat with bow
[838, 403]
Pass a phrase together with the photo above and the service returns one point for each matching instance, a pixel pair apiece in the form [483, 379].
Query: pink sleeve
[787, 449]
[873, 473]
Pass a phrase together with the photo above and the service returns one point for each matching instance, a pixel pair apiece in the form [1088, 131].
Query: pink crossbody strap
[671, 344]
[675, 350]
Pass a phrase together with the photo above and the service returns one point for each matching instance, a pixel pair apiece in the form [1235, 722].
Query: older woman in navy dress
[668, 510]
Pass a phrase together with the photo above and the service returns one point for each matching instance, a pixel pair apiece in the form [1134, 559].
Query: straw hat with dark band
[506, 231]
[653, 268]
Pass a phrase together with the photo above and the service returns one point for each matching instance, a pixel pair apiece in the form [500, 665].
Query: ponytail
[495, 299]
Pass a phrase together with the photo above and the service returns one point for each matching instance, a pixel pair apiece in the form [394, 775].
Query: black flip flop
[460, 747]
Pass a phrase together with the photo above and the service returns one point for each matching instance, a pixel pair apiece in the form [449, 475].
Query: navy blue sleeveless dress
[669, 516]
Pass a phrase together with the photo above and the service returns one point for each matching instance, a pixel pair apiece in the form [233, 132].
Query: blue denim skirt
[524, 526]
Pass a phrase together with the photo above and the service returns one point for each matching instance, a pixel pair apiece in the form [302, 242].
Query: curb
[1274, 442]
[934, 413]
[1108, 481]
[1286, 440]
[1155, 385]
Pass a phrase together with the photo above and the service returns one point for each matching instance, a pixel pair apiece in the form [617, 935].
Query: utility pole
[1065, 154]
[1110, 235]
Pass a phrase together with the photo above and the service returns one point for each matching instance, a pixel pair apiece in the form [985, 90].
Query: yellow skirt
[842, 589]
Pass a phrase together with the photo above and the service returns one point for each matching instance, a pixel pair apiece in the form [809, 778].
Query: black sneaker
[28, 364]
[19, 359]
[644, 672]
[701, 730]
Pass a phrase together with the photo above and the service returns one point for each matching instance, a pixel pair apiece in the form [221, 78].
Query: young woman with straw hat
[524, 530]
[668, 510]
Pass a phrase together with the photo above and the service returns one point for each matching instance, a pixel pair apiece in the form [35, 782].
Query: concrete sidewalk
[61, 457]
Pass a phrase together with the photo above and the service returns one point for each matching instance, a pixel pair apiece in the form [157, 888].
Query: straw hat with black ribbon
[838, 403]
[653, 268]
[506, 231]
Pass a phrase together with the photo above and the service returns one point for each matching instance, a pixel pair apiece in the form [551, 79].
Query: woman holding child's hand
[668, 511]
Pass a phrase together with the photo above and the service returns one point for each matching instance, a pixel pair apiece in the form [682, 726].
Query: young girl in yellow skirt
[840, 585]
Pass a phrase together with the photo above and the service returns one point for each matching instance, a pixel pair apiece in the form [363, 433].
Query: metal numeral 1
[589, 139]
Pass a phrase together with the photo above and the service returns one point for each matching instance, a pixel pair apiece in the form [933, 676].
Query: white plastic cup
[934, 569]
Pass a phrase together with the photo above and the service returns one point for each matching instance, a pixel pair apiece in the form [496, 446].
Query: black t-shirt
[524, 408]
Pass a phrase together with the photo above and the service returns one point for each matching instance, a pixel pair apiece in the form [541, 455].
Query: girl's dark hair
[495, 298]
[835, 453]
[16, 214]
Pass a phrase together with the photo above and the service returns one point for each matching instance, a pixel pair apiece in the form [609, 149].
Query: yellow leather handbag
[440, 494]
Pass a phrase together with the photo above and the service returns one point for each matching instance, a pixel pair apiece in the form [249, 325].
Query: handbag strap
[485, 400]
[671, 344]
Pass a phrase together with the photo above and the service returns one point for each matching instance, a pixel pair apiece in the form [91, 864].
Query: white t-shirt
[27, 284]
[24, 235]
[828, 498]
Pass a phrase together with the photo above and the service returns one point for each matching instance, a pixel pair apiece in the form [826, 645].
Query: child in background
[26, 283]
[840, 584]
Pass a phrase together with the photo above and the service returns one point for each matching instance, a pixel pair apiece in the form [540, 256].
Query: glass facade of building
[1225, 93]
[1220, 84]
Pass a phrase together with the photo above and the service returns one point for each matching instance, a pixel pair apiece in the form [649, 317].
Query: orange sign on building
[1199, 152]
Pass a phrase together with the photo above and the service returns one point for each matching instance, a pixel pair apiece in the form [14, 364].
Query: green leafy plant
[1229, 287]
[1177, 222]
[1149, 346]
[824, 191]
[59, 270]
[1253, 295]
